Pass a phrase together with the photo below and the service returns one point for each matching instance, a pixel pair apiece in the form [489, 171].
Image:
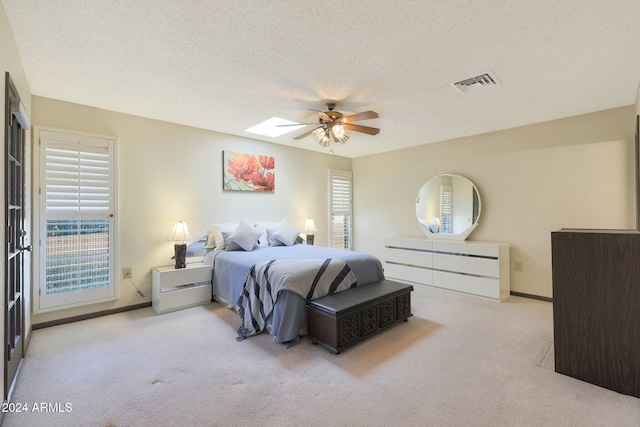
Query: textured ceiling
[227, 65]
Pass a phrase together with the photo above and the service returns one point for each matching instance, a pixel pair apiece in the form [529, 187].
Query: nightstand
[177, 288]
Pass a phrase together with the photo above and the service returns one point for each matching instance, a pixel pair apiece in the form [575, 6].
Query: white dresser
[477, 268]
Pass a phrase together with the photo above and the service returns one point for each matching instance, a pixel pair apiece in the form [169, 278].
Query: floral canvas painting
[247, 172]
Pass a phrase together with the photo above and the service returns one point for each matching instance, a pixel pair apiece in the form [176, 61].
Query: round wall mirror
[448, 207]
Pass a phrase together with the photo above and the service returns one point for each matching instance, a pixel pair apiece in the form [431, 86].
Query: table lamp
[309, 229]
[180, 236]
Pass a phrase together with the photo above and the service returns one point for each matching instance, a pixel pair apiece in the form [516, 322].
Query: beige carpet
[460, 361]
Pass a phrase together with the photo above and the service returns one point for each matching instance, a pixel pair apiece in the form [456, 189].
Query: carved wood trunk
[340, 320]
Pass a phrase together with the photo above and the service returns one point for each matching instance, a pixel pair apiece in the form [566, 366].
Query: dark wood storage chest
[340, 320]
[596, 307]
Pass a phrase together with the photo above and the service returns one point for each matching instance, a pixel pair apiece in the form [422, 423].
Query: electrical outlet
[127, 273]
[518, 266]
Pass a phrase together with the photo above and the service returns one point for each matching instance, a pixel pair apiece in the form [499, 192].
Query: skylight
[270, 127]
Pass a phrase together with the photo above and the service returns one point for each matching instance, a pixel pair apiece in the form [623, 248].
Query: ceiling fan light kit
[338, 130]
[320, 135]
[333, 126]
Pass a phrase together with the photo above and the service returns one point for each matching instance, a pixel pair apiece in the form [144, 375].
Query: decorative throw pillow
[214, 235]
[230, 245]
[286, 233]
[246, 235]
[263, 240]
[272, 239]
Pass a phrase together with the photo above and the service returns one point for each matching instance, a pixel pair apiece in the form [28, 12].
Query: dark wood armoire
[596, 307]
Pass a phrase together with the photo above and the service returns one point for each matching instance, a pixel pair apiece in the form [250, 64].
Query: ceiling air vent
[486, 79]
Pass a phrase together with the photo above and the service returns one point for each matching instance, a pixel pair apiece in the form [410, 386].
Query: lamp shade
[310, 226]
[180, 232]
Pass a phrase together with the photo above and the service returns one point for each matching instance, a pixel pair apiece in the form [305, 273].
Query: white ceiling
[227, 65]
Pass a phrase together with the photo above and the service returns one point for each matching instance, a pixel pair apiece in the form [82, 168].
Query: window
[340, 227]
[446, 194]
[75, 204]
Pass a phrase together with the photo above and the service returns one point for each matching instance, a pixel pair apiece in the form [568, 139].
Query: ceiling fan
[333, 125]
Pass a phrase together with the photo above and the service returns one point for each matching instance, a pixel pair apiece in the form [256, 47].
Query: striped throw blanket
[309, 278]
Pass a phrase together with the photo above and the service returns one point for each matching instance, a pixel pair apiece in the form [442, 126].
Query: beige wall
[574, 172]
[10, 61]
[169, 172]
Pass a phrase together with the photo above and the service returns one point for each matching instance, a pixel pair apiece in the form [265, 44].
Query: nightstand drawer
[176, 288]
[172, 277]
[183, 297]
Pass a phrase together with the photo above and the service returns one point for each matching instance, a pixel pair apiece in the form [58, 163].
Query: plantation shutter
[77, 179]
[77, 198]
[447, 207]
[340, 204]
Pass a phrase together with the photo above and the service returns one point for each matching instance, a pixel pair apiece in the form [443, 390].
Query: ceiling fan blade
[322, 115]
[360, 116]
[363, 129]
[304, 135]
[296, 124]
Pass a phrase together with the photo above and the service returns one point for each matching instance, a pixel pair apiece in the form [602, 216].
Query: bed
[288, 319]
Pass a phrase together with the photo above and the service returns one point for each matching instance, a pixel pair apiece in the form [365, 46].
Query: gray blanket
[309, 278]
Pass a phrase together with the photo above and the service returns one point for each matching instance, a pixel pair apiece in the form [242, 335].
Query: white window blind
[340, 204]
[77, 198]
[446, 192]
[77, 179]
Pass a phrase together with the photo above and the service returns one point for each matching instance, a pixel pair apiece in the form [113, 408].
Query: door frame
[16, 347]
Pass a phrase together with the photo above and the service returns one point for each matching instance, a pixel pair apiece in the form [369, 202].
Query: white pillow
[211, 238]
[246, 235]
[271, 240]
[286, 233]
[214, 235]
[263, 240]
